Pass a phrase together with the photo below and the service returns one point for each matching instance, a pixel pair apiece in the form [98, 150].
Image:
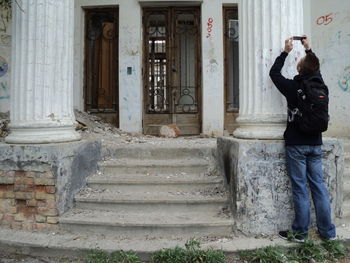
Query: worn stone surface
[62, 169]
[260, 189]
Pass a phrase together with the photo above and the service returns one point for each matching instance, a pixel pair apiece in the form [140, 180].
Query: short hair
[310, 65]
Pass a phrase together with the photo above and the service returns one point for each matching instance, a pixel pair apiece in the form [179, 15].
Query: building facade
[140, 64]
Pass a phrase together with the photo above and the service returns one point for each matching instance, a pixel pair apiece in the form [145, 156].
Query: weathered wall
[70, 164]
[5, 60]
[330, 27]
[260, 189]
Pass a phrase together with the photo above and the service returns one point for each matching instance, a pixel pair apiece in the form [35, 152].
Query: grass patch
[97, 255]
[309, 251]
[192, 253]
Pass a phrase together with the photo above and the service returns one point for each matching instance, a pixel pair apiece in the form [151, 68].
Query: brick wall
[28, 200]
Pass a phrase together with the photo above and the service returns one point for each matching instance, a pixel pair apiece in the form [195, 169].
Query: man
[303, 151]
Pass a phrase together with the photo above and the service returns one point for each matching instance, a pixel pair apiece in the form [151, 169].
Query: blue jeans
[304, 166]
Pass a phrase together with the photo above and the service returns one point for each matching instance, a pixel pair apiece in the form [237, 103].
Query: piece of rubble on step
[169, 131]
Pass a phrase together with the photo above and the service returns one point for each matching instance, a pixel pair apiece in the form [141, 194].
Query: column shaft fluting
[42, 72]
[264, 25]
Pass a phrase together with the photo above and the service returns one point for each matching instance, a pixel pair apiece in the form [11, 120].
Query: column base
[265, 131]
[35, 134]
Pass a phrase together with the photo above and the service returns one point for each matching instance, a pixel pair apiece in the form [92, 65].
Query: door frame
[86, 10]
[170, 14]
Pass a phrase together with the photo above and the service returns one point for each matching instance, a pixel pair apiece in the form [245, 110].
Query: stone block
[40, 219]
[52, 220]
[47, 211]
[24, 195]
[260, 190]
[44, 196]
[44, 181]
[7, 179]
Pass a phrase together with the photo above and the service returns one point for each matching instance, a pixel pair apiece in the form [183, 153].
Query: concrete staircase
[147, 191]
[346, 186]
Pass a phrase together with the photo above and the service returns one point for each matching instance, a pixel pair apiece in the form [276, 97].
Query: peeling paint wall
[330, 27]
[5, 60]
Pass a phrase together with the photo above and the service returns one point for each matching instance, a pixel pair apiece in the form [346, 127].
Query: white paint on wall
[5, 62]
[330, 26]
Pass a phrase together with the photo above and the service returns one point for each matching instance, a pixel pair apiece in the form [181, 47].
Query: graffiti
[324, 20]
[209, 26]
[344, 82]
[3, 66]
[4, 91]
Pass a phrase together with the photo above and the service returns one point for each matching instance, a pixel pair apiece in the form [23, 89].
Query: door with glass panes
[171, 69]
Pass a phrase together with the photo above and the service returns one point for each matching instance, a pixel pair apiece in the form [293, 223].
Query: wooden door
[172, 77]
[231, 68]
[101, 63]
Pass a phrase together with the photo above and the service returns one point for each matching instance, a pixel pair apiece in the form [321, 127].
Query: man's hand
[306, 42]
[288, 45]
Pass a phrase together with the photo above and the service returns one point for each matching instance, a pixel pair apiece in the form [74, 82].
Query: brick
[42, 203]
[23, 195]
[23, 188]
[40, 188]
[47, 211]
[40, 219]
[27, 209]
[2, 216]
[44, 181]
[12, 210]
[16, 225]
[44, 196]
[28, 226]
[20, 217]
[20, 173]
[50, 189]
[20, 180]
[40, 226]
[51, 204]
[48, 174]
[29, 180]
[9, 195]
[6, 187]
[20, 202]
[32, 202]
[7, 179]
[8, 217]
[52, 220]
[30, 174]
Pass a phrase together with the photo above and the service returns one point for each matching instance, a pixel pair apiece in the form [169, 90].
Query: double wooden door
[171, 69]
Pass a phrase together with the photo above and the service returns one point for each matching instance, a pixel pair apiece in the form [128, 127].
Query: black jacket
[289, 87]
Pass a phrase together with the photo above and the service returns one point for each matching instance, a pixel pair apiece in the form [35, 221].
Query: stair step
[142, 166]
[145, 224]
[158, 202]
[154, 182]
[165, 150]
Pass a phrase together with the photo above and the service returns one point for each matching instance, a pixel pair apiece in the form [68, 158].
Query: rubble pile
[91, 126]
[4, 120]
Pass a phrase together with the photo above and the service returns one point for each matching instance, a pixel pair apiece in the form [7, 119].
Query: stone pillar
[42, 72]
[264, 25]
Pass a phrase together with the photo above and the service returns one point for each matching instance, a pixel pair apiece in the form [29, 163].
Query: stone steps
[143, 224]
[144, 166]
[166, 151]
[145, 191]
[137, 183]
[155, 202]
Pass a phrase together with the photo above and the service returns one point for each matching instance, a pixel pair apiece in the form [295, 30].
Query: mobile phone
[298, 38]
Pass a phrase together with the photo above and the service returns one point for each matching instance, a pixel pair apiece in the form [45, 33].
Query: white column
[264, 25]
[212, 68]
[42, 72]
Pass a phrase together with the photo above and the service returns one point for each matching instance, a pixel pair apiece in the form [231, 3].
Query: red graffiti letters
[324, 20]
[210, 26]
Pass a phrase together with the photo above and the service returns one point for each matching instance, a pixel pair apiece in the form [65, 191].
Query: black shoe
[288, 235]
